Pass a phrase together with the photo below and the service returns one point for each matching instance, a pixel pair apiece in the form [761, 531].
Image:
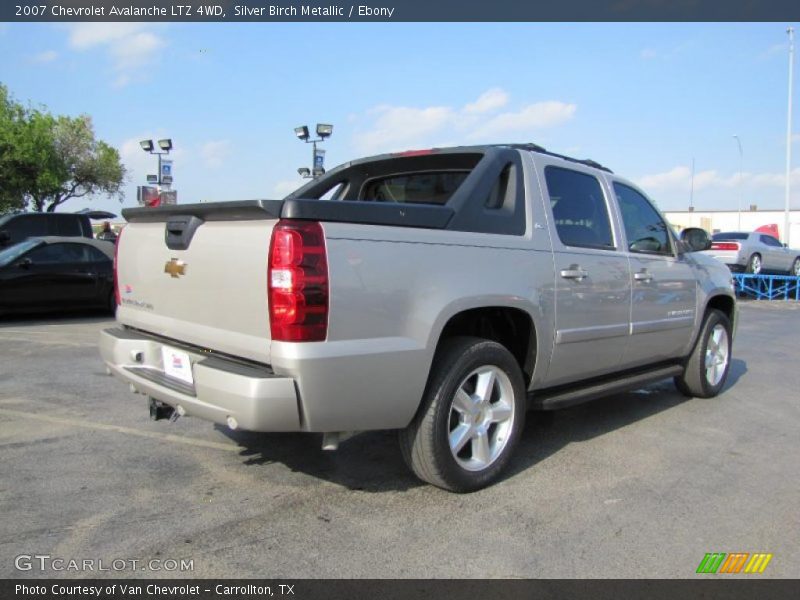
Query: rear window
[735, 235]
[68, 225]
[415, 188]
[428, 177]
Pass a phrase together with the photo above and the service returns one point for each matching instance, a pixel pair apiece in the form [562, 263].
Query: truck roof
[481, 148]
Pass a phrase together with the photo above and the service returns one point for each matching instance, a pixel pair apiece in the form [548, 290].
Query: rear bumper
[734, 260]
[224, 391]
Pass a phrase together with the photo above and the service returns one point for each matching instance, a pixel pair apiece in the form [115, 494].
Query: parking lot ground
[635, 485]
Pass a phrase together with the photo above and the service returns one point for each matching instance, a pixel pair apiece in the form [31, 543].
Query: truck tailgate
[213, 294]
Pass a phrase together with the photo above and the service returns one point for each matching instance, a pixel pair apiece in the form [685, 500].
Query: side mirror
[696, 239]
[786, 245]
[25, 263]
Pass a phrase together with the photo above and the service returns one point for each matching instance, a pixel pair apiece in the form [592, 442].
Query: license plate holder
[177, 364]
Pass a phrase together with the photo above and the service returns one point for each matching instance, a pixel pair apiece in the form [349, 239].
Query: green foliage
[11, 115]
[47, 160]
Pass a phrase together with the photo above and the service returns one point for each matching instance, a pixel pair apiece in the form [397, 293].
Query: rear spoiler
[342, 211]
[243, 210]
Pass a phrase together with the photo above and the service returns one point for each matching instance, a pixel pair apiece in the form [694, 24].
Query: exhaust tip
[232, 423]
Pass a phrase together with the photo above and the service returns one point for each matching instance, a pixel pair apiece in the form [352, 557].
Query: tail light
[725, 246]
[116, 263]
[297, 282]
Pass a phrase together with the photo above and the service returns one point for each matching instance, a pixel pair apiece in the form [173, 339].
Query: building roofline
[744, 212]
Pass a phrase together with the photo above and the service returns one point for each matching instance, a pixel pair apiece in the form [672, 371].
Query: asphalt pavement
[642, 484]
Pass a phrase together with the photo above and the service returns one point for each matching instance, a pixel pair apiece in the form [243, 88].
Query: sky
[645, 100]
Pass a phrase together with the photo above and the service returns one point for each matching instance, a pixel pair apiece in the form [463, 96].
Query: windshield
[12, 253]
[733, 235]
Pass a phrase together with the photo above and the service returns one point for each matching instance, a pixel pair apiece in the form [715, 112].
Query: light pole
[741, 158]
[165, 146]
[691, 195]
[324, 130]
[786, 224]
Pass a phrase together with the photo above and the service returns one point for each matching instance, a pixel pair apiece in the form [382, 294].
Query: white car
[754, 252]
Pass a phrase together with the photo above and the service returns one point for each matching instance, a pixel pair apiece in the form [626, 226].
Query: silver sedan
[754, 252]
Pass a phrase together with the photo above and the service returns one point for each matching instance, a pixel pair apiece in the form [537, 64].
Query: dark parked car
[57, 273]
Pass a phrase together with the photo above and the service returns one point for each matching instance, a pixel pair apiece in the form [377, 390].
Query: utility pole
[741, 158]
[691, 195]
[786, 224]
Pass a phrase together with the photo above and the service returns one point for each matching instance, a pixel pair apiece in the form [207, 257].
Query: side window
[76, 253]
[58, 253]
[771, 241]
[46, 255]
[95, 256]
[32, 226]
[646, 231]
[579, 209]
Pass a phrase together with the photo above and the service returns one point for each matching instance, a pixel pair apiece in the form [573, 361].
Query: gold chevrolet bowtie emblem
[175, 268]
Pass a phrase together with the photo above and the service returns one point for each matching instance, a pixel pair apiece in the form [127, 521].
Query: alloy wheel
[717, 354]
[481, 418]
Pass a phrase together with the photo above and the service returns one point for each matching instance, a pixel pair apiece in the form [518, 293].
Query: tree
[47, 160]
[11, 176]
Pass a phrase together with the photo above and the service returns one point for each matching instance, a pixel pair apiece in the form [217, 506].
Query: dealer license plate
[177, 364]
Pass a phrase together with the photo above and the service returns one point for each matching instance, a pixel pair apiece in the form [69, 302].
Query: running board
[555, 398]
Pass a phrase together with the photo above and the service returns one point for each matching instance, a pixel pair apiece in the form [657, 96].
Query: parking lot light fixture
[324, 130]
[301, 132]
[165, 146]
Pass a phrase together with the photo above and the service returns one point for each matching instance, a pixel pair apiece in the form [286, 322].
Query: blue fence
[767, 287]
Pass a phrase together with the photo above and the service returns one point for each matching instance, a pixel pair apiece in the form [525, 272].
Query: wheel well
[511, 327]
[723, 304]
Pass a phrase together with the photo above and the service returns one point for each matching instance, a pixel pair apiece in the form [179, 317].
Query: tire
[709, 363]
[795, 270]
[754, 264]
[484, 426]
[112, 303]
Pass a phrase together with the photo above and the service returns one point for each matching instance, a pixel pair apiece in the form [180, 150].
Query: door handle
[643, 276]
[574, 272]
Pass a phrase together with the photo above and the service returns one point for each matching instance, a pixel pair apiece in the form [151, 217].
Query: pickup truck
[442, 293]
[20, 226]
